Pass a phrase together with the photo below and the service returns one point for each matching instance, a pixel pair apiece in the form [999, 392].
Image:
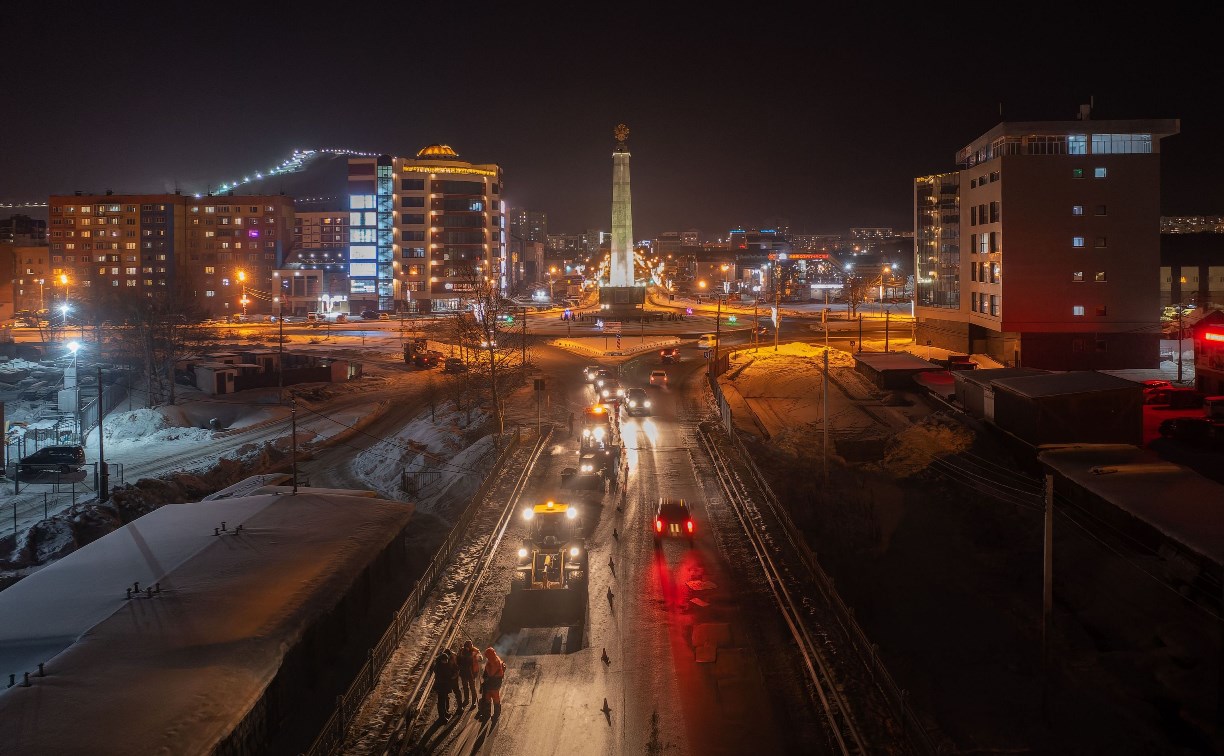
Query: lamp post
[64, 307]
[71, 375]
[726, 283]
[242, 280]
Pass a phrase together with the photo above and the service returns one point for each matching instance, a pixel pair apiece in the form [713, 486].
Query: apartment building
[424, 231]
[216, 250]
[1070, 211]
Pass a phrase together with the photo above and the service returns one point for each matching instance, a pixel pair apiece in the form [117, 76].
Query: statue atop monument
[621, 132]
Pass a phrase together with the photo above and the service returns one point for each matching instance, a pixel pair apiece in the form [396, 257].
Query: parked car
[428, 359]
[1189, 429]
[1174, 397]
[369, 314]
[52, 459]
[454, 365]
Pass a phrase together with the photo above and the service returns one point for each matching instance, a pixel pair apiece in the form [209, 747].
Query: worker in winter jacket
[470, 662]
[446, 682]
[494, 673]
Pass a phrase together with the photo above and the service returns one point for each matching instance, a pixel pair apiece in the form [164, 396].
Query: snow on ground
[435, 446]
[146, 426]
[912, 450]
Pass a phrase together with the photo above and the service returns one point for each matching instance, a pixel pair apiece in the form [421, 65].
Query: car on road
[636, 402]
[602, 376]
[1190, 429]
[454, 365]
[369, 314]
[52, 459]
[611, 390]
[658, 377]
[669, 354]
[673, 519]
[588, 372]
[707, 341]
[761, 330]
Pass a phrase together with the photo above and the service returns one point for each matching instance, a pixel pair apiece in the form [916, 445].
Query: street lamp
[70, 375]
[242, 280]
[64, 307]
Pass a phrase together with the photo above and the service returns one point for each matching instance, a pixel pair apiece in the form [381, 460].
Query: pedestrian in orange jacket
[494, 673]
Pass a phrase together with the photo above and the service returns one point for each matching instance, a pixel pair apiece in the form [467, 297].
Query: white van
[707, 341]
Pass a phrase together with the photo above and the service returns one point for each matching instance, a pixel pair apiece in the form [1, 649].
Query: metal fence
[331, 738]
[868, 652]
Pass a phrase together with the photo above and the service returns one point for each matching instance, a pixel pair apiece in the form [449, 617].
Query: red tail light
[658, 525]
[689, 524]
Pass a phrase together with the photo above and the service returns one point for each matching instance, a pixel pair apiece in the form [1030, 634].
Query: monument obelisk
[621, 297]
[621, 270]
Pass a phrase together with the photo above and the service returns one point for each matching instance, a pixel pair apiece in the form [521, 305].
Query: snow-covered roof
[985, 377]
[1183, 505]
[1061, 384]
[176, 672]
[882, 361]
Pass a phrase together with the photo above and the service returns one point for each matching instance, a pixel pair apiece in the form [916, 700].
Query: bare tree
[855, 288]
[161, 332]
[483, 327]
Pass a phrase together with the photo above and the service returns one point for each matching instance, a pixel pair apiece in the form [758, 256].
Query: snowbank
[913, 449]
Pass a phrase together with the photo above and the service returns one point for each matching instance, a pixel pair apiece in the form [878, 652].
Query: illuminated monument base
[627, 302]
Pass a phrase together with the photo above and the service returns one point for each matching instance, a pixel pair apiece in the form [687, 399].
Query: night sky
[820, 119]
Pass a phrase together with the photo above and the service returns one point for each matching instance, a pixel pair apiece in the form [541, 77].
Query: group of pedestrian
[456, 673]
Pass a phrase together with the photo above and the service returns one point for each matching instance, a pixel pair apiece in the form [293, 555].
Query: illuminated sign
[1210, 336]
[447, 169]
[798, 256]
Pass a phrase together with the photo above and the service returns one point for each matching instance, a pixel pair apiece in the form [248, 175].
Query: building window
[1099, 277]
[1077, 311]
[1077, 276]
[1101, 210]
[1100, 241]
[1099, 173]
[1077, 241]
[995, 212]
[994, 305]
[210, 293]
[994, 241]
[209, 270]
[973, 243]
[994, 176]
[1077, 173]
[1101, 311]
[1077, 209]
[994, 272]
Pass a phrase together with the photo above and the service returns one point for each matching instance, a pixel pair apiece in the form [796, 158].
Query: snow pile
[437, 449]
[145, 426]
[913, 449]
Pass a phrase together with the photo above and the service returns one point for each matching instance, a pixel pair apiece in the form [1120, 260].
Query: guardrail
[331, 737]
[867, 651]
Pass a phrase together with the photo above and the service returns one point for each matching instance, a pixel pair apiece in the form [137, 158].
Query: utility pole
[280, 359]
[756, 327]
[1047, 591]
[293, 441]
[886, 314]
[103, 473]
[860, 318]
[1179, 345]
[524, 343]
[717, 332]
[826, 415]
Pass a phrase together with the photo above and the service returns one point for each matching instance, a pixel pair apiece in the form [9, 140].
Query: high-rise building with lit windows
[1043, 249]
[214, 249]
[424, 230]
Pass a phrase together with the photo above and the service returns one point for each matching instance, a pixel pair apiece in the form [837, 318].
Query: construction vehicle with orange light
[599, 451]
[549, 586]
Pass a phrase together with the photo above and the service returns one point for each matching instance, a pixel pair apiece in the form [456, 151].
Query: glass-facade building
[424, 231]
[937, 240]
